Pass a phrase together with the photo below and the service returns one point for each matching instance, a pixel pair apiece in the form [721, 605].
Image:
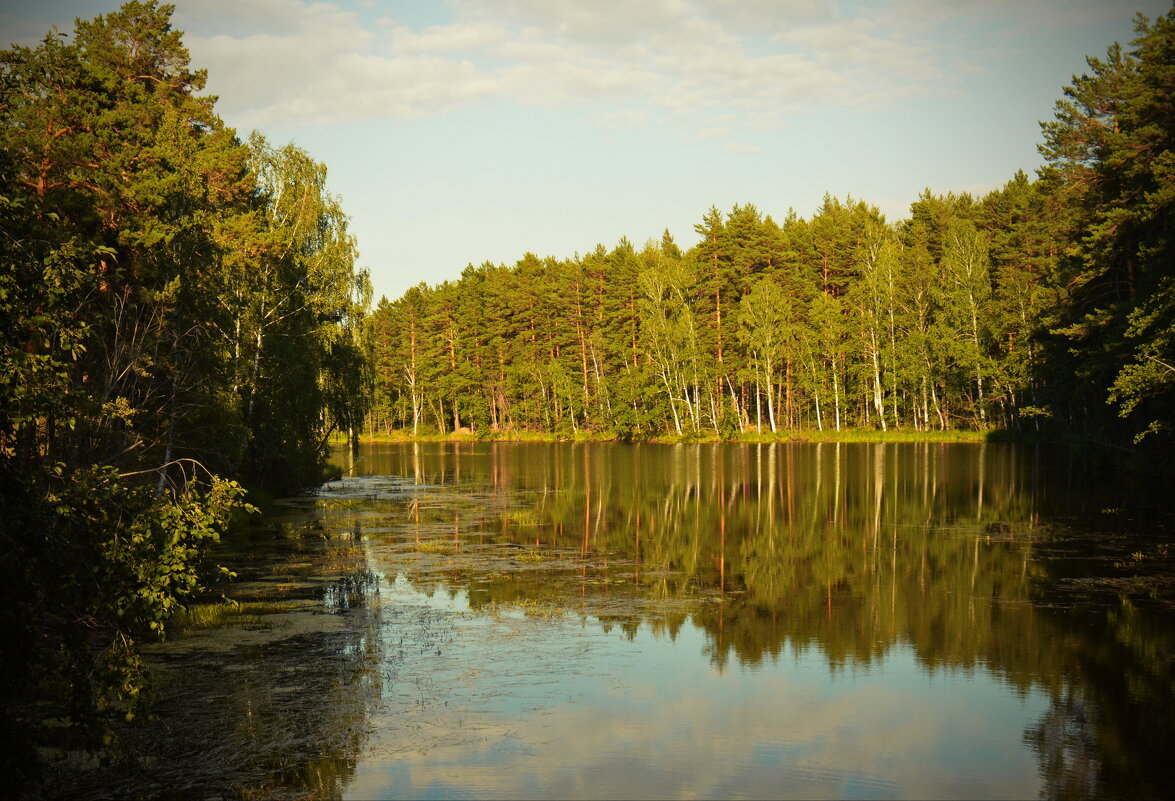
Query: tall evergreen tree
[1112, 142]
[128, 215]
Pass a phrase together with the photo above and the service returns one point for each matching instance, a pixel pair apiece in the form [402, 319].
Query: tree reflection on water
[274, 708]
[1000, 558]
[498, 561]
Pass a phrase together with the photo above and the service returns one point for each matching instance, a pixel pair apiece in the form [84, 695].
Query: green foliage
[93, 563]
[1046, 305]
[175, 306]
[1112, 145]
[839, 321]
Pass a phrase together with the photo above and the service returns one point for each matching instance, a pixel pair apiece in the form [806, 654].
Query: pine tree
[1112, 142]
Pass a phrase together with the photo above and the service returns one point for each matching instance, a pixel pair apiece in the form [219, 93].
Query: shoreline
[798, 436]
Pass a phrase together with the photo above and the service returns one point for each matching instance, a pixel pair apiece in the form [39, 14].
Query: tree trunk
[770, 400]
[835, 394]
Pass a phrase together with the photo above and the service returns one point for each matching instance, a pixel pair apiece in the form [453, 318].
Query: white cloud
[297, 63]
[276, 17]
[621, 119]
[568, 82]
[599, 21]
[285, 62]
[461, 37]
[741, 147]
[292, 61]
[1028, 14]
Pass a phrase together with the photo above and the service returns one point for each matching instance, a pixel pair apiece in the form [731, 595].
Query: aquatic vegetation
[227, 613]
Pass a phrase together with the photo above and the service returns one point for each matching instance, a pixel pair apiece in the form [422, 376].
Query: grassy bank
[216, 614]
[845, 435]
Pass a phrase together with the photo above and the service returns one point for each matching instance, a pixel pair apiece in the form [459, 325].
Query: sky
[458, 132]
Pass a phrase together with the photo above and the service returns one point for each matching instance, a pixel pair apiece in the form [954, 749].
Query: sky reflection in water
[721, 621]
[561, 709]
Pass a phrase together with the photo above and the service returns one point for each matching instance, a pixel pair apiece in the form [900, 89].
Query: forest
[181, 317]
[1044, 306]
[184, 327]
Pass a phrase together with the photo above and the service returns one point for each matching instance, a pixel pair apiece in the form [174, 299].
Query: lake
[490, 620]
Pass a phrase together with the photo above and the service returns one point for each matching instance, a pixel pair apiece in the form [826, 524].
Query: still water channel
[684, 621]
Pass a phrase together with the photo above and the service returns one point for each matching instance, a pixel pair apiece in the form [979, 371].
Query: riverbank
[801, 435]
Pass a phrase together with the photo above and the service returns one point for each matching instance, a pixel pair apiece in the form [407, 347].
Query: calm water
[698, 621]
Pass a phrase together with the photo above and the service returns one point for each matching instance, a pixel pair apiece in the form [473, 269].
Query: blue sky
[464, 131]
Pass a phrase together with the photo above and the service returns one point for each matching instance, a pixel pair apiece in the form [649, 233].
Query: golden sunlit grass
[227, 613]
[521, 517]
[530, 608]
[798, 435]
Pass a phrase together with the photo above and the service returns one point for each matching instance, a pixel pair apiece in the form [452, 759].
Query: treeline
[1048, 302]
[837, 321]
[179, 310]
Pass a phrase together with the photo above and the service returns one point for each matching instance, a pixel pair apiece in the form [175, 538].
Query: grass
[531, 608]
[869, 435]
[482, 436]
[521, 517]
[799, 435]
[227, 613]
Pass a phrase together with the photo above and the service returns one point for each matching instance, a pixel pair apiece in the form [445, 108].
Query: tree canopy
[179, 311]
[1045, 304]
[181, 316]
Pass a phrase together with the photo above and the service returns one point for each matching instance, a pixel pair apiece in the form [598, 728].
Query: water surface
[697, 621]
